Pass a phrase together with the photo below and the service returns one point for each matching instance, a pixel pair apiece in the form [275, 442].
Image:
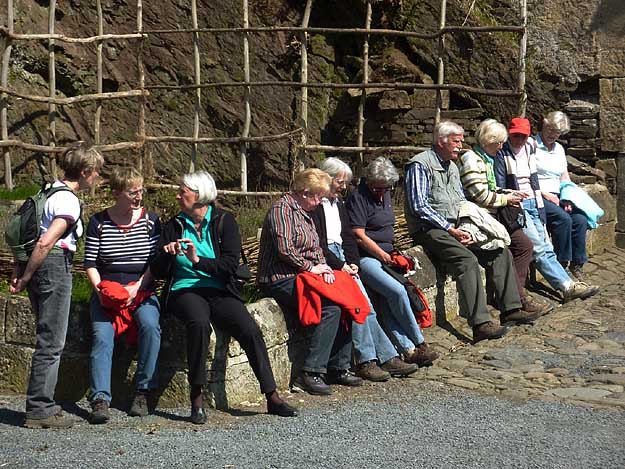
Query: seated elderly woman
[565, 222]
[370, 343]
[371, 215]
[515, 168]
[477, 174]
[120, 243]
[289, 245]
[199, 259]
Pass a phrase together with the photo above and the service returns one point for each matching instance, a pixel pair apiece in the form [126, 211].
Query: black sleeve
[229, 249]
[350, 248]
[162, 263]
[318, 217]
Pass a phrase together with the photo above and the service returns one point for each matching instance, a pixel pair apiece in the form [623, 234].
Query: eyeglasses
[136, 193]
[381, 190]
[340, 182]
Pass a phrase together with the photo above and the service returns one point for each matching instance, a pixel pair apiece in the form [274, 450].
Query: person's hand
[386, 258]
[132, 290]
[321, 269]
[462, 236]
[348, 268]
[354, 269]
[329, 277]
[551, 198]
[187, 248]
[567, 206]
[514, 199]
[171, 248]
[17, 285]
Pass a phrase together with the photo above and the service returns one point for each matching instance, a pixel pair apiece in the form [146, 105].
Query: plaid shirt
[289, 243]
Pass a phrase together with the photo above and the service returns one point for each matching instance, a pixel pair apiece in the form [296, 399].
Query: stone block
[619, 239]
[612, 100]
[578, 107]
[607, 166]
[426, 99]
[601, 238]
[577, 179]
[20, 321]
[582, 152]
[73, 382]
[14, 368]
[620, 191]
[604, 199]
[3, 306]
[395, 100]
[588, 129]
[79, 329]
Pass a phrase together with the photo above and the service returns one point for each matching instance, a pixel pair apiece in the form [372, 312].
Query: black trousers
[197, 308]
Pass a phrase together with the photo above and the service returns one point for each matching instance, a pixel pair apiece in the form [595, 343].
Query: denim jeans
[546, 260]
[149, 342]
[395, 310]
[568, 232]
[330, 344]
[50, 294]
[369, 340]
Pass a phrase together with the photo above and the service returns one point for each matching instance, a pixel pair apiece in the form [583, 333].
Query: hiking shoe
[99, 412]
[281, 409]
[343, 377]
[519, 316]
[139, 406]
[577, 271]
[530, 305]
[372, 372]
[53, 421]
[198, 416]
[421, 355]
[579, 290]
[312, 383]
[488, 330]
[397, 367]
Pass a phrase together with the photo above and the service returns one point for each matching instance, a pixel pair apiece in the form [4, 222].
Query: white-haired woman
[566, 224]
[198, 259]
[375, 357]
[477, 174]
[370, 209]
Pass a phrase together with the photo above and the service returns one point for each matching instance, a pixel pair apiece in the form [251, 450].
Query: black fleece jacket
[227, 251]
[350, 248]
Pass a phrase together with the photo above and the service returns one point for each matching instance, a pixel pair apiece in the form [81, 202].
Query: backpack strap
[220, 233]
[49, 189]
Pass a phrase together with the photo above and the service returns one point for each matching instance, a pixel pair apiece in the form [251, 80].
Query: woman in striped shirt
[119, 244]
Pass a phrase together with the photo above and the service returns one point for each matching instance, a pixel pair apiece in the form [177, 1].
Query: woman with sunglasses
[370, 209]
[120, 243]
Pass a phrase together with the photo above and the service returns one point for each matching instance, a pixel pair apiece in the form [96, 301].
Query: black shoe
[282, 409]
[312, 384]
[198, 416]
[100, 412]
[343, 377]
[139, 406]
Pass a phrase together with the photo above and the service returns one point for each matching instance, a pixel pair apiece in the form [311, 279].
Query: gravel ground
[401, 423]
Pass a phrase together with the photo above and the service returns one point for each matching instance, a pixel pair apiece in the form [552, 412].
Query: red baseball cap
[520, 125]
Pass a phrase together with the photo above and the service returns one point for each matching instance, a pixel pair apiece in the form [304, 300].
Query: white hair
[446, 128]
[381, 170]
[202, 184]
[557, 120]
[334, 167]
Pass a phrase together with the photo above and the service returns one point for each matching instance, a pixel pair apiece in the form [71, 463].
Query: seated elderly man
[433, 196]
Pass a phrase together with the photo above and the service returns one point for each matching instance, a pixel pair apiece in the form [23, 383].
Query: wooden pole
[440, 79]
[246, 99]
[522, 51]
[141, 71]
[197, 79]
[52, 87]
[4, 104]
[98, 110]
[360, 164]
[303, 39]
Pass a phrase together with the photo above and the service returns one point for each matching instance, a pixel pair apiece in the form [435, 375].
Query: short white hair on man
[382, 171]
[490, 131]
[557, 120]
[446, 128]
[202, 184]
[334, 167]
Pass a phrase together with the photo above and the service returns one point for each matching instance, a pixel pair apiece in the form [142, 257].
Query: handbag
[513, 218]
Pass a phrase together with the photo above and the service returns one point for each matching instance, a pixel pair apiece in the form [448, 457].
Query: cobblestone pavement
[574, 354]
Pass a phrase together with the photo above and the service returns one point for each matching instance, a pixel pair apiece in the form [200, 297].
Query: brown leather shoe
[519, 316]
[488, 330]
[421, 355]
[372, 372]
[530, 305]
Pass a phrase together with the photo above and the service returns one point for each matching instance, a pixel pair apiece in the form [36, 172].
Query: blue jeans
[568, 233]
[330, 344]
[396, 310]
[369, 340]
[149, 334]
[546, 260]
[50, 294]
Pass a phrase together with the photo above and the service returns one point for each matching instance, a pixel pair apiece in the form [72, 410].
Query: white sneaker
[579, 290]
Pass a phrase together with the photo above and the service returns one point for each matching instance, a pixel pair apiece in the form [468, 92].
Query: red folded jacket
[114, 298]
[345, 292]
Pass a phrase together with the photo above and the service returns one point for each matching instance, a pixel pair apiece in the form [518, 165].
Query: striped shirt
[475, 183]
[289, 243]
[121, 253]
[417, 183]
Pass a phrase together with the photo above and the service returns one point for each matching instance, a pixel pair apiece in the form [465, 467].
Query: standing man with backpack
[48, 278]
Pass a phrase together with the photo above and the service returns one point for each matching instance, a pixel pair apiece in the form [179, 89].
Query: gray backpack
[24, 227]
